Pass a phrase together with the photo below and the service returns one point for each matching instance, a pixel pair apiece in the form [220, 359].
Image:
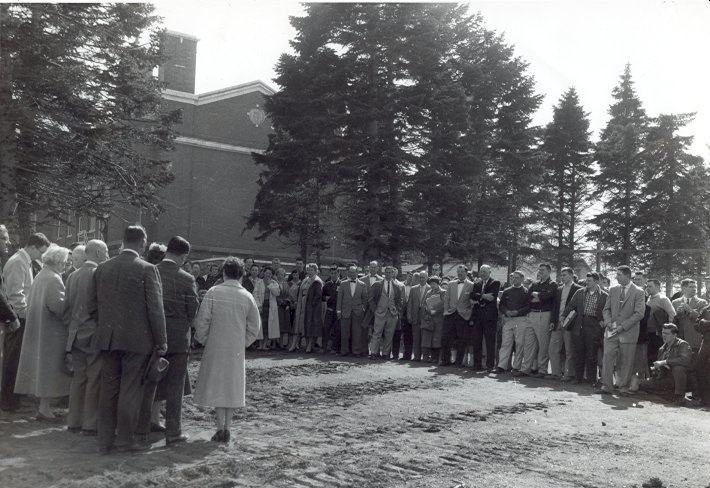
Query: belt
[538, 310]
[590, 316]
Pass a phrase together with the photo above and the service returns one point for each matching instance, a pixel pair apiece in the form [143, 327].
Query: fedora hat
[157, 367]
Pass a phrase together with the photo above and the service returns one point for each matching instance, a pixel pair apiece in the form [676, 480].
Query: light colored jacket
[626, 314]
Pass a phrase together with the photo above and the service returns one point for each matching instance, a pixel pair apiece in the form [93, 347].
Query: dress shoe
[552, 377]
[171, 441]
[602, 391]
[157, 427]
[139, 446]
[568, 379]
[74, 430]
[227, 436]
[372, 357]
[497, 370]
[538, 375]
[520, 374]
[218, 436]
[679, 400]
[48, 418]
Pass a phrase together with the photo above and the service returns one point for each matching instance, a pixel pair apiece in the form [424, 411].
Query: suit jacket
[484, 310]
[81, 308]
[685, 322]
[180, 304]
[577, 304]
[626, 314]
[129, 305]
[461, 304]
[376, 293]
[557, 305]
[414, 301]
[351, 304]
[677, 353]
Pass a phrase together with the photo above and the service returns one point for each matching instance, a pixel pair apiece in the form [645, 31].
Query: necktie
[388, 288]
[623, 293]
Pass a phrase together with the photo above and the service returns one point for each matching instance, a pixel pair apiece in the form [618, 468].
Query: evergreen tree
[568, 173]
[676, 202]
[82, 127]
[620, 156]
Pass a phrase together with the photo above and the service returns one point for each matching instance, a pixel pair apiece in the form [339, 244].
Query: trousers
[173, 387]
[512, 330]
[540, 323]
[84, 390]
[383, 333]
[674, 381]
[562, 363]
[621, 355]
[351, 331]
[484, 329]
[120, 398]
[456, 334]
[11, 362]
[586, 346]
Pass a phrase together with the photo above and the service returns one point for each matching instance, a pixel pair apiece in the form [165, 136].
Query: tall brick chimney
[178, 72]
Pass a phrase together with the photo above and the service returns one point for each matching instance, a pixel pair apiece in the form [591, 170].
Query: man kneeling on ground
[670, 371]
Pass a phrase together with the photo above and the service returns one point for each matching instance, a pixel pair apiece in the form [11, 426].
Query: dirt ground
[324, 421]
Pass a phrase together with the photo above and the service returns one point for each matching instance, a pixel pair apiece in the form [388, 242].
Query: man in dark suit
[458, 308]
[131, 324]
[587, 328]
[485, 318]
[562, 364]
[350, 310]
[180, 305]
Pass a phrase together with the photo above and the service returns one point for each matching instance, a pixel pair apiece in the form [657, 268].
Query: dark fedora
[157, 368]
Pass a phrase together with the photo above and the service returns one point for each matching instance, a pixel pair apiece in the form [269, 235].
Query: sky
[580, 43]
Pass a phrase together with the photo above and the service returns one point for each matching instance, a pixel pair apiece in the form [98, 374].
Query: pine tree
[620, 156]
[568, 173]
[82, 126]
[673, 212]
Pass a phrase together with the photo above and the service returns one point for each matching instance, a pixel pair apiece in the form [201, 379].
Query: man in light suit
[386, 300]
[415, 303]
[458, 308]
[85, 359]
[350, 310]
[131, 324]
[623, 311]
[180, 305]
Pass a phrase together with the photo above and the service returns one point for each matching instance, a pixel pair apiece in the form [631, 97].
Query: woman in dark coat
[309, 318]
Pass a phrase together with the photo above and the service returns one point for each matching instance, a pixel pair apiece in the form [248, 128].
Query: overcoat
[41, 369]
[227, 323]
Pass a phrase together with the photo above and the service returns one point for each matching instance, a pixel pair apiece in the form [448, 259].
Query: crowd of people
[114, 335]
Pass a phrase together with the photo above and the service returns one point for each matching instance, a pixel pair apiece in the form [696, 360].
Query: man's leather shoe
[157, 427]
[140, 446]
[74, 430]
[497, 370]
[679, 400]
[171, 441]
[602, 391]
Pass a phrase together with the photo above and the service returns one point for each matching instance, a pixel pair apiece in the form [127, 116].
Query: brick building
[215, 174]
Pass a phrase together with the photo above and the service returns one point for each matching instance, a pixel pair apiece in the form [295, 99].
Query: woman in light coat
[42, 371]
[269, 311]
[228, 321]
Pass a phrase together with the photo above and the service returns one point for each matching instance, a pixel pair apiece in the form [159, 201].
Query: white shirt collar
[89, 261]
[169, 260]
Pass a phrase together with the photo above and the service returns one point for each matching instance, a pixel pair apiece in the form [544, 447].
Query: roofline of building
[182, 34]
[218, 146]
[256, 86]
